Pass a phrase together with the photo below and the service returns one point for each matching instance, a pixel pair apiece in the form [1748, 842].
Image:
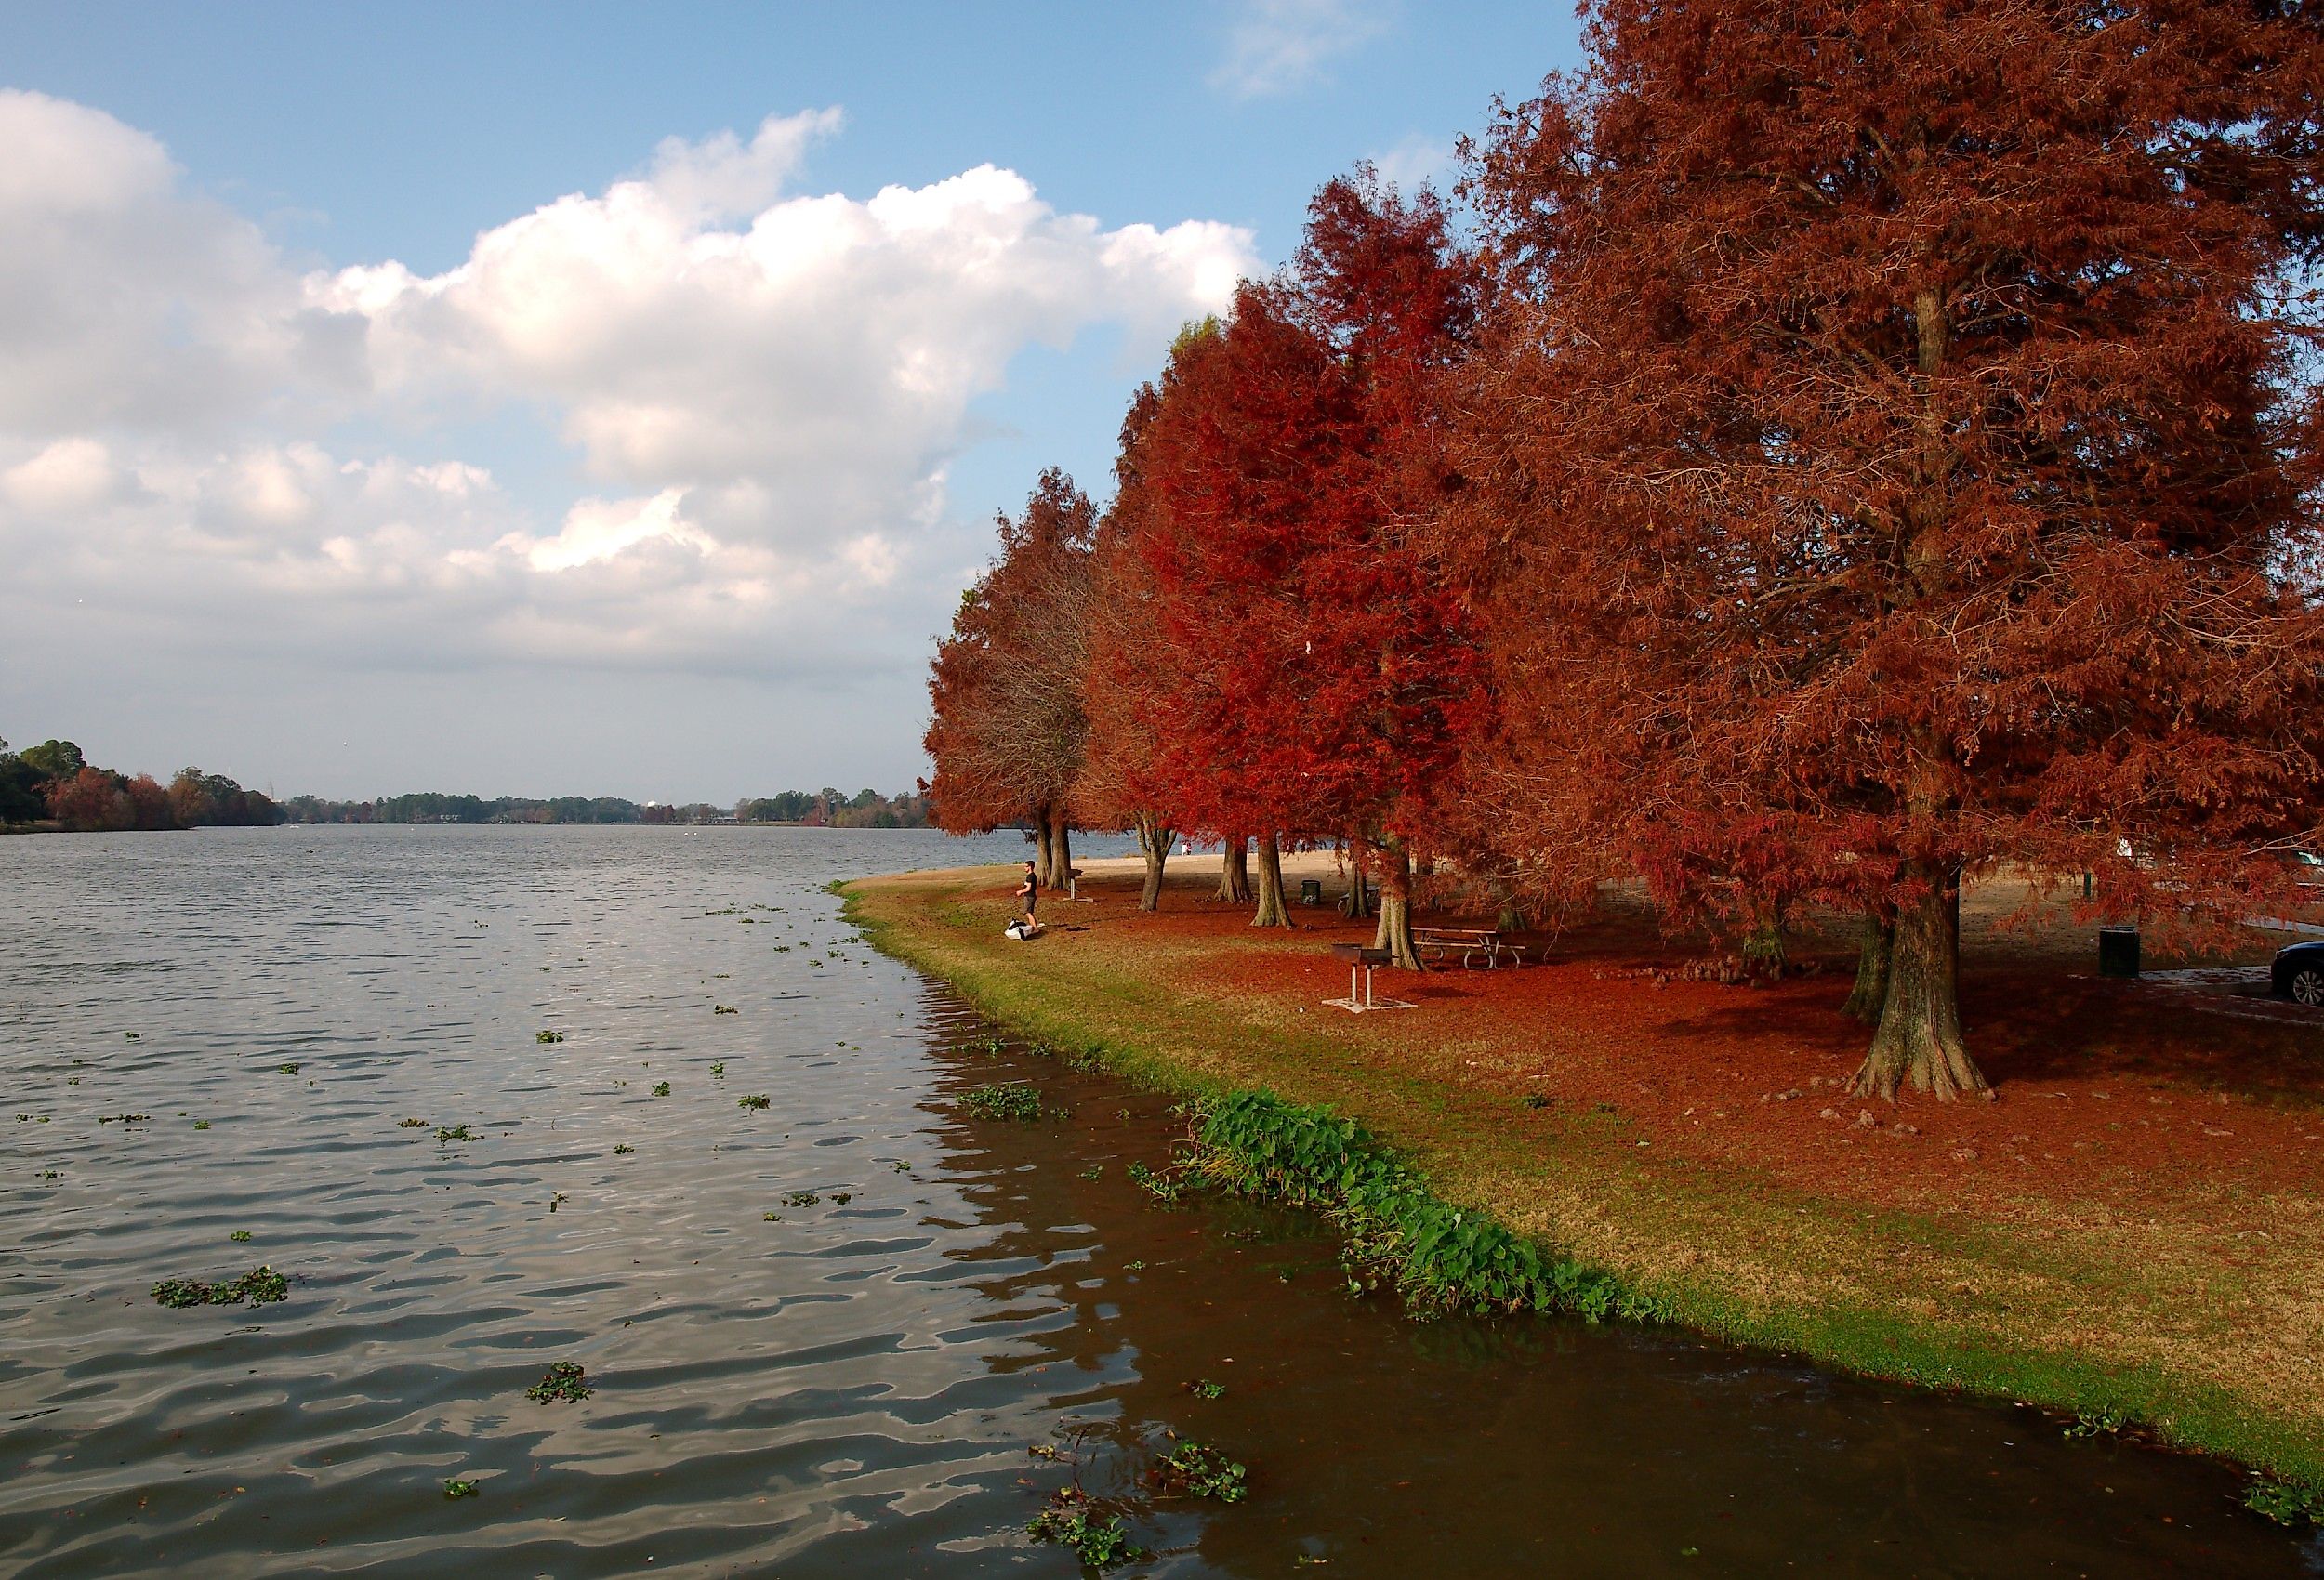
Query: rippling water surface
[844, 1386]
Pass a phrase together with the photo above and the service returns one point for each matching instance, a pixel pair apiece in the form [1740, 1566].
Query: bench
[1481, 949]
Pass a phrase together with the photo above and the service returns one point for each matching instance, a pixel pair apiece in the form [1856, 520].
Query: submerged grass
[1462, 1201]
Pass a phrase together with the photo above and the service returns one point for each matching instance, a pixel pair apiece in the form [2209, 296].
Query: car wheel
[2308, 985]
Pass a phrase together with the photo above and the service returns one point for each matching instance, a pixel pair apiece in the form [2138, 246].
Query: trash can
[1311, 891]
[2118, 951]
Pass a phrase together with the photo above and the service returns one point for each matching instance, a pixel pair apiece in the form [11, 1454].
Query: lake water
[853, 1387]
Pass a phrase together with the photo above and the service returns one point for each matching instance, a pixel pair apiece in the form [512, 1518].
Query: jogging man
[1030, 892]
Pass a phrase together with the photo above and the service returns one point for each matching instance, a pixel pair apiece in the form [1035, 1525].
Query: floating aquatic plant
[201, 1125]
[1095, 1171]
[756, 1100]
[1161, 1187]
[288, 1069]
[724, 1009]
[1195, 1469]
[1098, 1541]
[549, 1036]
[841, 1198]
[261, 1285]
[1008, 1100]
[1203, 1387]
[124, 1118]
[454, 1132]
[661, 1089]
[455, 1487]
[561, 1383]
[240, 1237]
[801, 1198]
[411, 1124]
[624, 1150]
[718, 1068]
[2287, 1503]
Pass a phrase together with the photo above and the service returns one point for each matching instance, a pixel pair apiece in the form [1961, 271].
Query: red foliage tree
[91, 802]
[1006, 724]
[1883, 450]
[1295, 456]
[1136, 673]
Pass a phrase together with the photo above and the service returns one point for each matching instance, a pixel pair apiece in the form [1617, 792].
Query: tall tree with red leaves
[1007, 726]
[1885, 450]
[1296, 458]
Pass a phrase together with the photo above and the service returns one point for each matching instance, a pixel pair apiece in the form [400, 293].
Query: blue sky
[470, 556]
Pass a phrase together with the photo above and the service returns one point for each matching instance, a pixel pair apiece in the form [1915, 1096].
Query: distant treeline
[824, 808]
[54, 781]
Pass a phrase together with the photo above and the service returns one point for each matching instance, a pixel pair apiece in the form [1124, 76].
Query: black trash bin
[1311, 891]
[2118, 951]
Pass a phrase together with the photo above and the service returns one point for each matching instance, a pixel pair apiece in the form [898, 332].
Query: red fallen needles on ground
[2109, 1090]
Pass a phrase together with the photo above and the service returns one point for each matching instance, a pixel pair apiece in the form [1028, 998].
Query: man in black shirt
[1030, 892]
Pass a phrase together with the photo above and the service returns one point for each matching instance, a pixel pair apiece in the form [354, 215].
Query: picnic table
[1481, 949]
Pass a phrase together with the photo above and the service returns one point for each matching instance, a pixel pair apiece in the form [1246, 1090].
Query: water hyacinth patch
[549, 1036]
[756, 1100]
[1098, 1541]
[1195, 1469]
[661, 1089]
[2285, 1502]
[454, 1132]
[1010, 1099]
[455, 1487]
[261, 1285]
[563, 1383]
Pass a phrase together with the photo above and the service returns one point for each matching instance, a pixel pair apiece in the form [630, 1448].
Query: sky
[611, 400]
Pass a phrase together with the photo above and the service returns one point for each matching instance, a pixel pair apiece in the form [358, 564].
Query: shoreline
[1935, 1299]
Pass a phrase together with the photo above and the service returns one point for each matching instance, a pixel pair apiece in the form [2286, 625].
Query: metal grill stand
[1361, 959]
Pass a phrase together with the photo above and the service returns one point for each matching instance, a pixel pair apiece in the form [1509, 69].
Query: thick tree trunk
[1273, 912]
[1235, 871]
[1395, 932]
[1154, 843]
[1871, 989]
[1043, 849]
[1060, 854]
[1917, 1042]
[1357, 902]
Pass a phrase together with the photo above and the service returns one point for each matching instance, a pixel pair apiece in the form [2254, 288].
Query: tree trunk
[1060, 853]
[1235, 871]
[1043, 849]
[1273, 912]
[1395, 932]
[1154, 842]
[1357, 902]
[1917, 1042]
[1509, 915]
[1871, 989]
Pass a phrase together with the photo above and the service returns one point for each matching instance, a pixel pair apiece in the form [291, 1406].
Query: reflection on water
[847, 1387]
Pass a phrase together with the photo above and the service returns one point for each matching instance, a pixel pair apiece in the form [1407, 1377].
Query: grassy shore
[2121, 1238]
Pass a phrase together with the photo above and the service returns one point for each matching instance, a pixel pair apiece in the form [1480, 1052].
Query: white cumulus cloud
[761, 388]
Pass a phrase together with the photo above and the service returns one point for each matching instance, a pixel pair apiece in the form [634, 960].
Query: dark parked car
[2299, 972]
